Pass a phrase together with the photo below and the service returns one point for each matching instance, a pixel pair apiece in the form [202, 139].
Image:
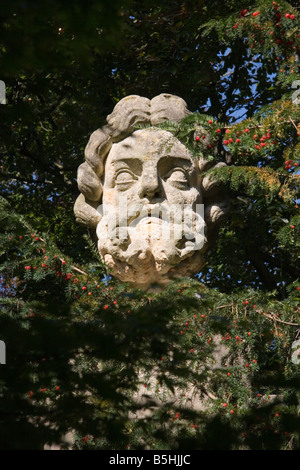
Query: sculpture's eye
[178, 178]
[124, 179]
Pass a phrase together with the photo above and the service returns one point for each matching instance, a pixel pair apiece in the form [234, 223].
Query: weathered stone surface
[166, 107]
[86, 212]
[88, 182]
[156, 176]
[97, 149]
[130, 111]
[144, 194]
[211, 185]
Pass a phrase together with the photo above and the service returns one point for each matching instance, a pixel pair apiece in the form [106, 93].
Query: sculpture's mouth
[149, 214]
[146, 219]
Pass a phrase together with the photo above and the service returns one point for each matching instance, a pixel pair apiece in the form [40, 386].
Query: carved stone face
[142, 194]
[151, 208]
[150, 167]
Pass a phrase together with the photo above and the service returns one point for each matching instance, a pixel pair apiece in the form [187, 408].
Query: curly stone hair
[129, 112]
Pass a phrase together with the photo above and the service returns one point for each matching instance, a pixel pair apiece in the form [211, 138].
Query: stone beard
[152, 226]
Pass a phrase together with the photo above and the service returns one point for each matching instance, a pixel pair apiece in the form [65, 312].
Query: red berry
[210, 121]
[197, 138]
[256, 13]
[238, 140]
[287, 15]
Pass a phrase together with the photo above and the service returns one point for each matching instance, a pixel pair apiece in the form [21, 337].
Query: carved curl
[129, 112]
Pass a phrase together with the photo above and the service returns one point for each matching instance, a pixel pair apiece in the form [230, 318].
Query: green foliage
[89, 350]
[115, 367]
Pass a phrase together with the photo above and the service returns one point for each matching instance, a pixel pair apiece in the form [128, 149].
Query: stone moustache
[150, 210]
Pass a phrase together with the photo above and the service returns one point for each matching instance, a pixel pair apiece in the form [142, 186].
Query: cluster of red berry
[288, 164]
[261, 141]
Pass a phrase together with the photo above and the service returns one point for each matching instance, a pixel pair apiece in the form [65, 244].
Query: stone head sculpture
[143, 195]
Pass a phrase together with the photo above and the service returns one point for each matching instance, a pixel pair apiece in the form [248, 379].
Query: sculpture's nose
[150, 185]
